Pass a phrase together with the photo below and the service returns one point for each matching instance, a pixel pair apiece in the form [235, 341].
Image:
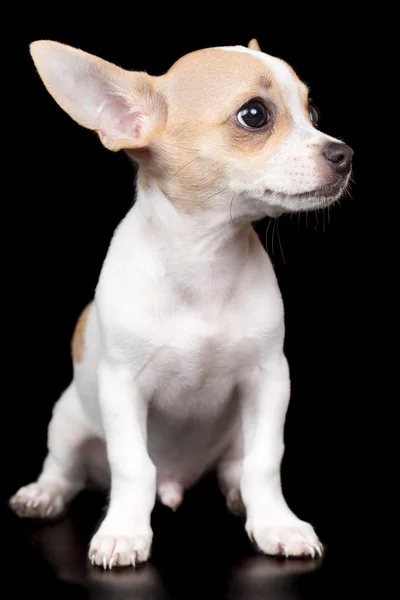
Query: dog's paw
[294, 538]
[110, 551]
[37, 502]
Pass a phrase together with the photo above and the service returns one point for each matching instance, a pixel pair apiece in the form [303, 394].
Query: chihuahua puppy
[179, 366]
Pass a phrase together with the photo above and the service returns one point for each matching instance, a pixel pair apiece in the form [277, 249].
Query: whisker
[347, 192]
[280, 245]
[266, 234]
[230, 207]
[184, 167]
[273, 236]
[258, 202]
[181, 147]
[208, 197]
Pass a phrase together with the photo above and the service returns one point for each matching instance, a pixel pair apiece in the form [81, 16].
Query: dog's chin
[320, 197]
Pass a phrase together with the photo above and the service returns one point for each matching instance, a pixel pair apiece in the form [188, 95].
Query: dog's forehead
[280, 71]
[219, 76]
[233, 67]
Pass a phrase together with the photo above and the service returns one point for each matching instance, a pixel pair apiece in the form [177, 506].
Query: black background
[71, 193]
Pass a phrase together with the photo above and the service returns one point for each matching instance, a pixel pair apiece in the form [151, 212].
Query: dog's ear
[121, 106]
[254, 45]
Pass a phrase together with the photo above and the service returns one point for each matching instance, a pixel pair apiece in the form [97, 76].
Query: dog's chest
[201, 357]
[219, 341]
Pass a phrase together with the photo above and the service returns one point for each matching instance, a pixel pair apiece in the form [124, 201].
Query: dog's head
[223, 124]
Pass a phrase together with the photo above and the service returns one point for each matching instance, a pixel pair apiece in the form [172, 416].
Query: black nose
[339, 155]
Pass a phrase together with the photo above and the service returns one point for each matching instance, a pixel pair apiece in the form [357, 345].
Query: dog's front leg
[125, 535]
[270, 522]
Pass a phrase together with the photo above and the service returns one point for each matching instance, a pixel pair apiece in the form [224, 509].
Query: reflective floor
[201, 551]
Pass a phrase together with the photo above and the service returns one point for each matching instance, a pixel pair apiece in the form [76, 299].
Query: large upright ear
[254, 45]
[121, 106]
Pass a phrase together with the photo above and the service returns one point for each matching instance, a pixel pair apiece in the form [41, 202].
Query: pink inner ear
[131, 125]
[117, 123]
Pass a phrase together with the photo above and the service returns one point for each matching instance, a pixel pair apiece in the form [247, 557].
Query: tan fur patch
[204, 90]
[78, 338]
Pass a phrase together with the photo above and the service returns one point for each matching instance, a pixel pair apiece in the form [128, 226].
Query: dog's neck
[194, 233]
[203, 248]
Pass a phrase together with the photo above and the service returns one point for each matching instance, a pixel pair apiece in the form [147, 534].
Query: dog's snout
[339, 155]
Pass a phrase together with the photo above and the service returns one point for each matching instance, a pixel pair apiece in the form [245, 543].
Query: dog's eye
[313, 112]
[253, 115]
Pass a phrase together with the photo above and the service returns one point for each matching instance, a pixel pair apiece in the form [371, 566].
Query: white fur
[183, 372]
[177, 337]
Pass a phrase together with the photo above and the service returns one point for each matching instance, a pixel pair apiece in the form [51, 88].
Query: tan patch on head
[78, 338]
[204, 90]
[209, 84]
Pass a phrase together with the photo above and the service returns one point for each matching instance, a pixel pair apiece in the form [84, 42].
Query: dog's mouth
[324, 191]
[327, 191]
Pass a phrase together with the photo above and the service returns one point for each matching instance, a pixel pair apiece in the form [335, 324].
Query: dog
[179, 367]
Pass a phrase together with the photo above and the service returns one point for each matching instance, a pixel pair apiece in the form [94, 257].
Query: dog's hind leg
[229, 472]
[63, 474]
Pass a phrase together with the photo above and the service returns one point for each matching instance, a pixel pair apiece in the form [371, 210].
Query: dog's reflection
[261, 577]
[250, 578]
[64, 547]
